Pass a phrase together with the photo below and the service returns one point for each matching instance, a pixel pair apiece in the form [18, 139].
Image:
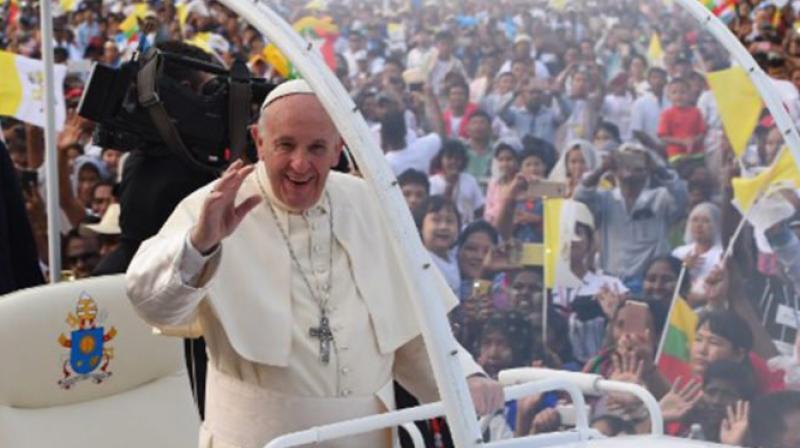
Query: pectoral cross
[323, 332]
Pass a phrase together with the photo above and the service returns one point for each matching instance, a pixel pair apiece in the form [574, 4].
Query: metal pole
[675, 294]
[429, 312]
[50, 159]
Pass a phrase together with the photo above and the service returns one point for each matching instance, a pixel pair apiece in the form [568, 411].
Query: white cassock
[265, 377]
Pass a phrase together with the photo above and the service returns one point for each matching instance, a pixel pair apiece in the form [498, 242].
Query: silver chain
[319, 296]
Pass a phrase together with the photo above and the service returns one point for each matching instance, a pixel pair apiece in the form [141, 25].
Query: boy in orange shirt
[681, 127]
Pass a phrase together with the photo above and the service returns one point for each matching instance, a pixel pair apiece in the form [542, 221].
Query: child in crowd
[521, 214]
[438, 221]
[681, 126]
[504, 342]
[507, 163]
[452, 182]
[415, 186]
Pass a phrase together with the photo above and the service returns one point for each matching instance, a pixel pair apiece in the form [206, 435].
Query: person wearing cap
[106, 231]
[276, 263]
[634, 218]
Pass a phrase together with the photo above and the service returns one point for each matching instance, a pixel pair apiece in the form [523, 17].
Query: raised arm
[170, 272]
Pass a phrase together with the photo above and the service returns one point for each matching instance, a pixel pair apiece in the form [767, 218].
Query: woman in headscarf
[579, 157]
[703, 249]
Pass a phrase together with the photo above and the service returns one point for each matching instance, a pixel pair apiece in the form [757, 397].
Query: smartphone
[631, 159]
[532, 254]
[634, 317]
[481, 287]
[29, 179]
[547, 189]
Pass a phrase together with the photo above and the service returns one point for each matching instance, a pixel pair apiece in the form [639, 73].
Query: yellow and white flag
[783, 173]
[739, 105]
[559, 230]
[69, 5]
[22, 89]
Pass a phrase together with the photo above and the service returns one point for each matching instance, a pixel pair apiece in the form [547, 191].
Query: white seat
[130, 390]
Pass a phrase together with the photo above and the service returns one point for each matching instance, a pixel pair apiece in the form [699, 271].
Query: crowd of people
[484, 108]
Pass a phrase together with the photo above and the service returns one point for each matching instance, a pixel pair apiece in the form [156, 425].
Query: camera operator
[155, 181]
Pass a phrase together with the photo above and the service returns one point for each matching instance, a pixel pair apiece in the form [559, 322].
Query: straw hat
[109, 225]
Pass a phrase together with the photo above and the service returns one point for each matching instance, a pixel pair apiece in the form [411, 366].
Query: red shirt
[681, 122]
[462, 126]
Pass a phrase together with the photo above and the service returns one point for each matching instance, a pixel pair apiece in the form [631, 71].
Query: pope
[297, 287]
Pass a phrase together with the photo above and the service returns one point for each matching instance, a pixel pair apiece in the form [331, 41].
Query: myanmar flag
[724, 9]
[130, 26]
[322, 33]
[22, 89]
[673, 361]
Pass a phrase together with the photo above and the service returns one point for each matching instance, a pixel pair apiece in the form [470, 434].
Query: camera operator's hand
[220, 216]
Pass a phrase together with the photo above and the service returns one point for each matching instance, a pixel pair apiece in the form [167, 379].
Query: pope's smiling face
[299, 144]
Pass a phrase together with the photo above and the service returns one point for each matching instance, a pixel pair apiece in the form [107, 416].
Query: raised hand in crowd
[504, 256]
[526, 412]
[548, 420]
[76, 130]
[627, 368]
[610, 300]
[680, 399]
[220, 216]
[734, 427]
[37, 215]
[717, 285]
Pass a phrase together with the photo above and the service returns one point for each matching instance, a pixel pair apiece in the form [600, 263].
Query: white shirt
[467, 194]
[417, 155]
[705, 264]
[645, 114]
[617, 110]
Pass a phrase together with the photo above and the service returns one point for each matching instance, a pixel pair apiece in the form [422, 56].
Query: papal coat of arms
[89, 354]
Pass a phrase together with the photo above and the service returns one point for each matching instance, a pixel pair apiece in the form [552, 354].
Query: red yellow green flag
[673, 358]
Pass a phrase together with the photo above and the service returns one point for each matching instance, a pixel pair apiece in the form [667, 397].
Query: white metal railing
[590, 384]
[424, 412]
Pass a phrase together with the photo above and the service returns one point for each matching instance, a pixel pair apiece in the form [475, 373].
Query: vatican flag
[22, 89]
[559, 230]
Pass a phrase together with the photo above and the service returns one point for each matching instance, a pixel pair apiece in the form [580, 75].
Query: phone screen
[633, 316]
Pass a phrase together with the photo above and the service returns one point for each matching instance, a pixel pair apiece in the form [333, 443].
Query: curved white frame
[760, 79]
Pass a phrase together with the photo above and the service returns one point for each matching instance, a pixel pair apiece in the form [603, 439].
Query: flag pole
[545, 307]
[746, 215]
[675, 294]
[51, 158]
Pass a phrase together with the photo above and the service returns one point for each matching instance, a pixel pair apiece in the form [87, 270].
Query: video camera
[140, 107]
